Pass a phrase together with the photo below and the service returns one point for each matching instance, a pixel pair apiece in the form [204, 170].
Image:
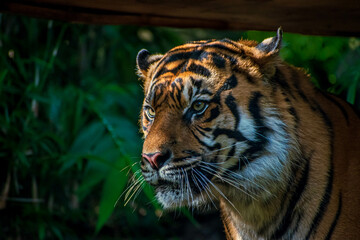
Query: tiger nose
[156, 160]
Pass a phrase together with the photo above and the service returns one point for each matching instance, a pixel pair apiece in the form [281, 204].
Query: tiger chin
[228, 124]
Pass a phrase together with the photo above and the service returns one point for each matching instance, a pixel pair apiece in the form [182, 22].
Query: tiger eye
[199, 106]
[150, 112]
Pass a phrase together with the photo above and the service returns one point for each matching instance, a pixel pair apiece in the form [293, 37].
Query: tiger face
[210, 129]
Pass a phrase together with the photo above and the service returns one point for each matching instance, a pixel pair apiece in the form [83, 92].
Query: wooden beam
[318, 17]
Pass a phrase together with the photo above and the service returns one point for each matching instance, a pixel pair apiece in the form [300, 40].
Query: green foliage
[69, 108]
[69, 140]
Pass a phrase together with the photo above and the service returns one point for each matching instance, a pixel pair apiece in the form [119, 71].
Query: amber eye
[199, 106]
[150, 113]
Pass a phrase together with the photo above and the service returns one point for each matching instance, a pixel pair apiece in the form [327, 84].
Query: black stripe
[145, 115]
[164, 70]
[236, 68]
[218, 60]
[176, 56]
[230, 102]
[198, 69]
[192, 153]
[214, 113]
[261, 129]
[230, 83]
[211, 148]
[333, 225]
[196, 82]
[180, 88]
[295, 77]
[172, 93]
[195, 54]
[287, 220]
[297, 224]
[205, 129]
[229, 133]
[250, 79]
[157, 93]
[190, 92]
[205, 91]
[201, 132]
[293, 113]
[183, 48]
[177, 88]
[281, 81]
[223, 47]
[228, 41]
[159, 104]
[335, 101]
[231, 153]
[300, 92]
[328, 190]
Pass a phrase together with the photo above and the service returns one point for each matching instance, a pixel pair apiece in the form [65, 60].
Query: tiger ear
[271, 46]
[145, 60]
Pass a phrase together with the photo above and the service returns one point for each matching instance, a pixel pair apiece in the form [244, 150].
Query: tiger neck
[246, 218]
[247, 221]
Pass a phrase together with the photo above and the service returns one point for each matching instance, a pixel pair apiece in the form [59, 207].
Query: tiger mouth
[189, 178]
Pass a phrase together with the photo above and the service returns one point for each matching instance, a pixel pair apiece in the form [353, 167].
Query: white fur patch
[272, 166]
[246, 126]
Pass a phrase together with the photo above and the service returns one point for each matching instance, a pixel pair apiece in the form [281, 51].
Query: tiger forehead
[185, 69]
[193, 57]
[178, 90]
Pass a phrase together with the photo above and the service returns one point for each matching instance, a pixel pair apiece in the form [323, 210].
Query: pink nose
[153, 159]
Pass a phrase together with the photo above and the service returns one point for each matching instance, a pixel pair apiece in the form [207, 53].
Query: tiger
[229, 125]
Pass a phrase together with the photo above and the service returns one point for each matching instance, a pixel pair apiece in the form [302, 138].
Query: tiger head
[210, 121]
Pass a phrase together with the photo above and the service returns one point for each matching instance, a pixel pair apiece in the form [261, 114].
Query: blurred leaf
[113, 187]
[57, 233]
[87, 138]
[149, 192]
[42, 231]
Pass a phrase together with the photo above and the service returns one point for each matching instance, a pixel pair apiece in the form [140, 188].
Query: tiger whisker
[182, 187]
[205, 187]
[132, 167]
[229, 181]
[219, 191]
[128, 166]
[233, 175]
[230, 174]
[133, 182]
[131, 186]
[137, 189]
[136, 175]
[186, 187]
[197, 185]
[189, 188]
